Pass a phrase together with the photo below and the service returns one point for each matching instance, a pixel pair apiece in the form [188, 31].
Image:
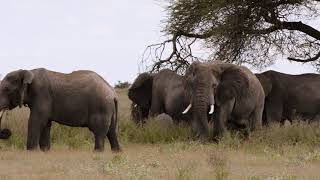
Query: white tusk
[211, 109]
[1, 113]
[135, 105]
[187, 109]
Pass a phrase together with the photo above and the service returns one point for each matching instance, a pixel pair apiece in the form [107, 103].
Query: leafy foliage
[251, 32]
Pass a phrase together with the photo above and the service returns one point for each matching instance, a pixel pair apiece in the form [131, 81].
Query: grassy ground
[162, 151]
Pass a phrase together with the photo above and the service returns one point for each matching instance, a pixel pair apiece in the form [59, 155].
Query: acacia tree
[253, 32]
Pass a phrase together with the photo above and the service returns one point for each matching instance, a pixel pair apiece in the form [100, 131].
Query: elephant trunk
[4, 133]
[200, 111]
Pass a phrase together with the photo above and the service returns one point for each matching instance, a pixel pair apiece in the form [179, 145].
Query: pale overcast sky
[107, 36]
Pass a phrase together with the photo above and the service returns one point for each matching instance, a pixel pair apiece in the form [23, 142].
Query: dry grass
[162, 151]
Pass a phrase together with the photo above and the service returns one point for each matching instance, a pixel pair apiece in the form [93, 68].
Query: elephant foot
[217, 137]
[45, 148]
[116, 150]
[98, 150]
[5, 134]
[203, 138]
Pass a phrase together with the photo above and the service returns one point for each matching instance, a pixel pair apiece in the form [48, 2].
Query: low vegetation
[162, 150]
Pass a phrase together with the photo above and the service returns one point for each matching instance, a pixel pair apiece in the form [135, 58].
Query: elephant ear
[234, 83]
[140, 92]
[26, 79]
[265, 82]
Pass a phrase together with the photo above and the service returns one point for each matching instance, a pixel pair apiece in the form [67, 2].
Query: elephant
[79, 99]
[139, 114]
[156, 93]
[233, 93]
[287, 95]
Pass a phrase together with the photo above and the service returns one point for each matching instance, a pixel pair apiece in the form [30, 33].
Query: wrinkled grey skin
[159, 93]
[236, 93]
[79, 99]
[287, 95]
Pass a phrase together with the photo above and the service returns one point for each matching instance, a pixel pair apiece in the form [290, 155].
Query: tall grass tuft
[153, 132]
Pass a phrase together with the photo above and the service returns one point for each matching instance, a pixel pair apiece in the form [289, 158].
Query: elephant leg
[265, 122]
[45, 137]
[255, 121]
[273, 109]
[156, 108]
[99, 127]
[99, 141]
[223, 114]
[112, 135]
[35, 124]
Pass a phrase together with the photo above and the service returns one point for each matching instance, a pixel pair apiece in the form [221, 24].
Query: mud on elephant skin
[162, 92]
[233, 92]
[287, 95]
[79, 99]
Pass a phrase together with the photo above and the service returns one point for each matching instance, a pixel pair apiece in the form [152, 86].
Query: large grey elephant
[233, 92]
[79, 99]
[162, 92]
[287, 95]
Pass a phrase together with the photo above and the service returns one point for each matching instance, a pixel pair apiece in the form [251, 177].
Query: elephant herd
[230, 96]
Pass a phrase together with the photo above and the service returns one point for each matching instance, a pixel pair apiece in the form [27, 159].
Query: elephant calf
[79, 99]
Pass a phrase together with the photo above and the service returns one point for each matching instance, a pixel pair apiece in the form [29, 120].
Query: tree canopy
[253, 32]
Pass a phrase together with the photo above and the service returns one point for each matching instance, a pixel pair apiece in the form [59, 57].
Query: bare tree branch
[254, 32]
[316, 57]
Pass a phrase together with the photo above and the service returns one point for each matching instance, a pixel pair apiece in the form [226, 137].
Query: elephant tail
[116, 113]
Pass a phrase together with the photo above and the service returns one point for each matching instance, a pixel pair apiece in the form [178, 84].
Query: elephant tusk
[1, 115]
[211, 109]
[187, 109]
[135, 105]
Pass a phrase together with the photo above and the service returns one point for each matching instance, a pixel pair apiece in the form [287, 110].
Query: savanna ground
[162, 151]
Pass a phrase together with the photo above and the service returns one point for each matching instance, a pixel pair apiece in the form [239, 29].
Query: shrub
[122, 85]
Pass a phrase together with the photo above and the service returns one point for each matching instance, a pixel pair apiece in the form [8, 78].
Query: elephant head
[13, 89]
[140, 92]
[209, 85]
[138, 114]
[12, 93]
